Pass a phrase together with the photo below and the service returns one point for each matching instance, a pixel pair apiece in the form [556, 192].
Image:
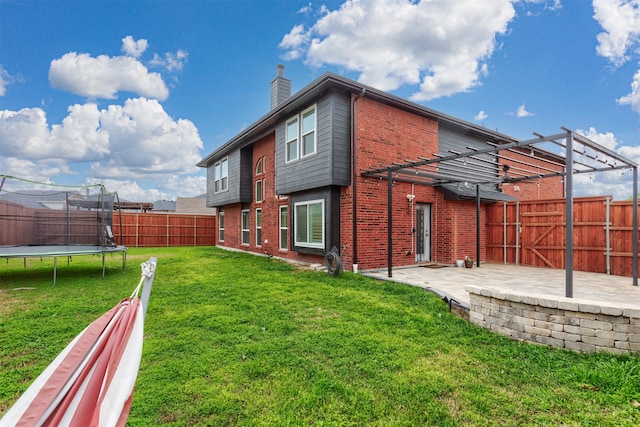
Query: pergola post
[568, 180]
[478, 225]
[389, 224]
[634, 215]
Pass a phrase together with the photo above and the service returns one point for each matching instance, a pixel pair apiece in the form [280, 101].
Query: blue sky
[133, 93]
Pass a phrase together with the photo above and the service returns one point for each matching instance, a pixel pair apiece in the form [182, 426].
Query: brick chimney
[280, 88]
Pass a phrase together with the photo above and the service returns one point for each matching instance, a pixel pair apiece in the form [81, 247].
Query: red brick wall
[270, 205]
[548, 188]
[454, 235]
[385, 135]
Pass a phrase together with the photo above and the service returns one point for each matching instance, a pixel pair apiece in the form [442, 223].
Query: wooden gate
[532, 233]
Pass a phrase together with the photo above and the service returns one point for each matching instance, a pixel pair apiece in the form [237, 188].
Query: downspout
[354, 186]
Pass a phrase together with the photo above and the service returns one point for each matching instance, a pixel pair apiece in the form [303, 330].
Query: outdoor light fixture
[505, 177]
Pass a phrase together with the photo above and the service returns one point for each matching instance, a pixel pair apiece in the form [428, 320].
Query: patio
[450, 282]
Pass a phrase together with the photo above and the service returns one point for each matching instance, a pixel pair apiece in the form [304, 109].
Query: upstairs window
[260, 166]
[300, 138]
[308, 132]
[292, 139]
[221, 176]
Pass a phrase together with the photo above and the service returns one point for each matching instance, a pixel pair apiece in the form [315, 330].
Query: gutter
[355, 182]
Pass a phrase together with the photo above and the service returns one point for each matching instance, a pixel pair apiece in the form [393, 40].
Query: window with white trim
[292, 139]
[258, 227]
[259, 191]
[259, 180]
[284, 243]
[300, 135]
[245, 226]
[309, 223]
[221, 176]
[221, 225]
[308, 132]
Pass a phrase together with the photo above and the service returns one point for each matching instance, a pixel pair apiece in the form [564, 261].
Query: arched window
[259, 181]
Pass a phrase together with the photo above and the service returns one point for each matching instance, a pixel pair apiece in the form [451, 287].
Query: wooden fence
[24, 226]
[533, 233]
[160, 229]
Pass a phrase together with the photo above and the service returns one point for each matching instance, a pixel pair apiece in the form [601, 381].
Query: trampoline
[55, 251]
[43, 220]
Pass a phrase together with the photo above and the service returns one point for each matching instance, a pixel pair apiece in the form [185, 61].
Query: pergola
[486, 167]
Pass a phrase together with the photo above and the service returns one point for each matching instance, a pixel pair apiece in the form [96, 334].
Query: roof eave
[322, 84]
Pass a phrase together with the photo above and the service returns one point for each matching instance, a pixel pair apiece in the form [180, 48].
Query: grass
[234, 339]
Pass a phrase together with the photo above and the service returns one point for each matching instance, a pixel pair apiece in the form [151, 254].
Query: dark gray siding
[246, 174]
[341, 140]
[453, 140]
[331, 197]
[330, 165]
[240, 188]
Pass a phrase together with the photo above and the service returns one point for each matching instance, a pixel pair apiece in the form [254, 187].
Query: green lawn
[234, 339]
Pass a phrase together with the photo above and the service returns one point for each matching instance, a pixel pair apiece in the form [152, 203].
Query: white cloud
[134, 48]
[134, 141]
[165, 188]
[5, 80]
[104, 76]
[295, 42]
[144, 140]
[171, 61]
[25, 133]
[620, 20]
[547, 4]
[13, 166]
[480, 116]
[607, 140]
[617, 183]
[438, 45]
[633, 98]
[522, 112]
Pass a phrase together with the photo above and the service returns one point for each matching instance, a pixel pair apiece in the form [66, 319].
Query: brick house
[290, 183]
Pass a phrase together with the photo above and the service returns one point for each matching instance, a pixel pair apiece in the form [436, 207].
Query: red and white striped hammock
[91, 382]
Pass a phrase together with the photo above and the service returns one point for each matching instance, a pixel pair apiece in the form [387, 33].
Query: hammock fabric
[91, 382]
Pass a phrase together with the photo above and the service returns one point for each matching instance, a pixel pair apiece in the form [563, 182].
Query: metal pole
[68, 225]
[517, 232]
[569, 217]
[478, 225]
[635, 226]
[389, 223]
[504, 232]
[607, 232]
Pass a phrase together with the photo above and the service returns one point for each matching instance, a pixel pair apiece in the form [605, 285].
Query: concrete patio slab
[450, 282]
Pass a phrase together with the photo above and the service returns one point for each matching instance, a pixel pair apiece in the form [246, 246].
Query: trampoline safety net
[33, 213]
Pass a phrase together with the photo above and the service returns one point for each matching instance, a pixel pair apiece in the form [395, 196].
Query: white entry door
[423, 232]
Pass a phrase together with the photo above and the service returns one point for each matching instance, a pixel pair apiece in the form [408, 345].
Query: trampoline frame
[55, 251]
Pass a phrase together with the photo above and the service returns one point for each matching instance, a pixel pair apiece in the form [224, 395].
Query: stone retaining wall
[570, 323]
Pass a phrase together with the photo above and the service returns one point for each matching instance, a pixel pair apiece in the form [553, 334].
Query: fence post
[608, 235]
